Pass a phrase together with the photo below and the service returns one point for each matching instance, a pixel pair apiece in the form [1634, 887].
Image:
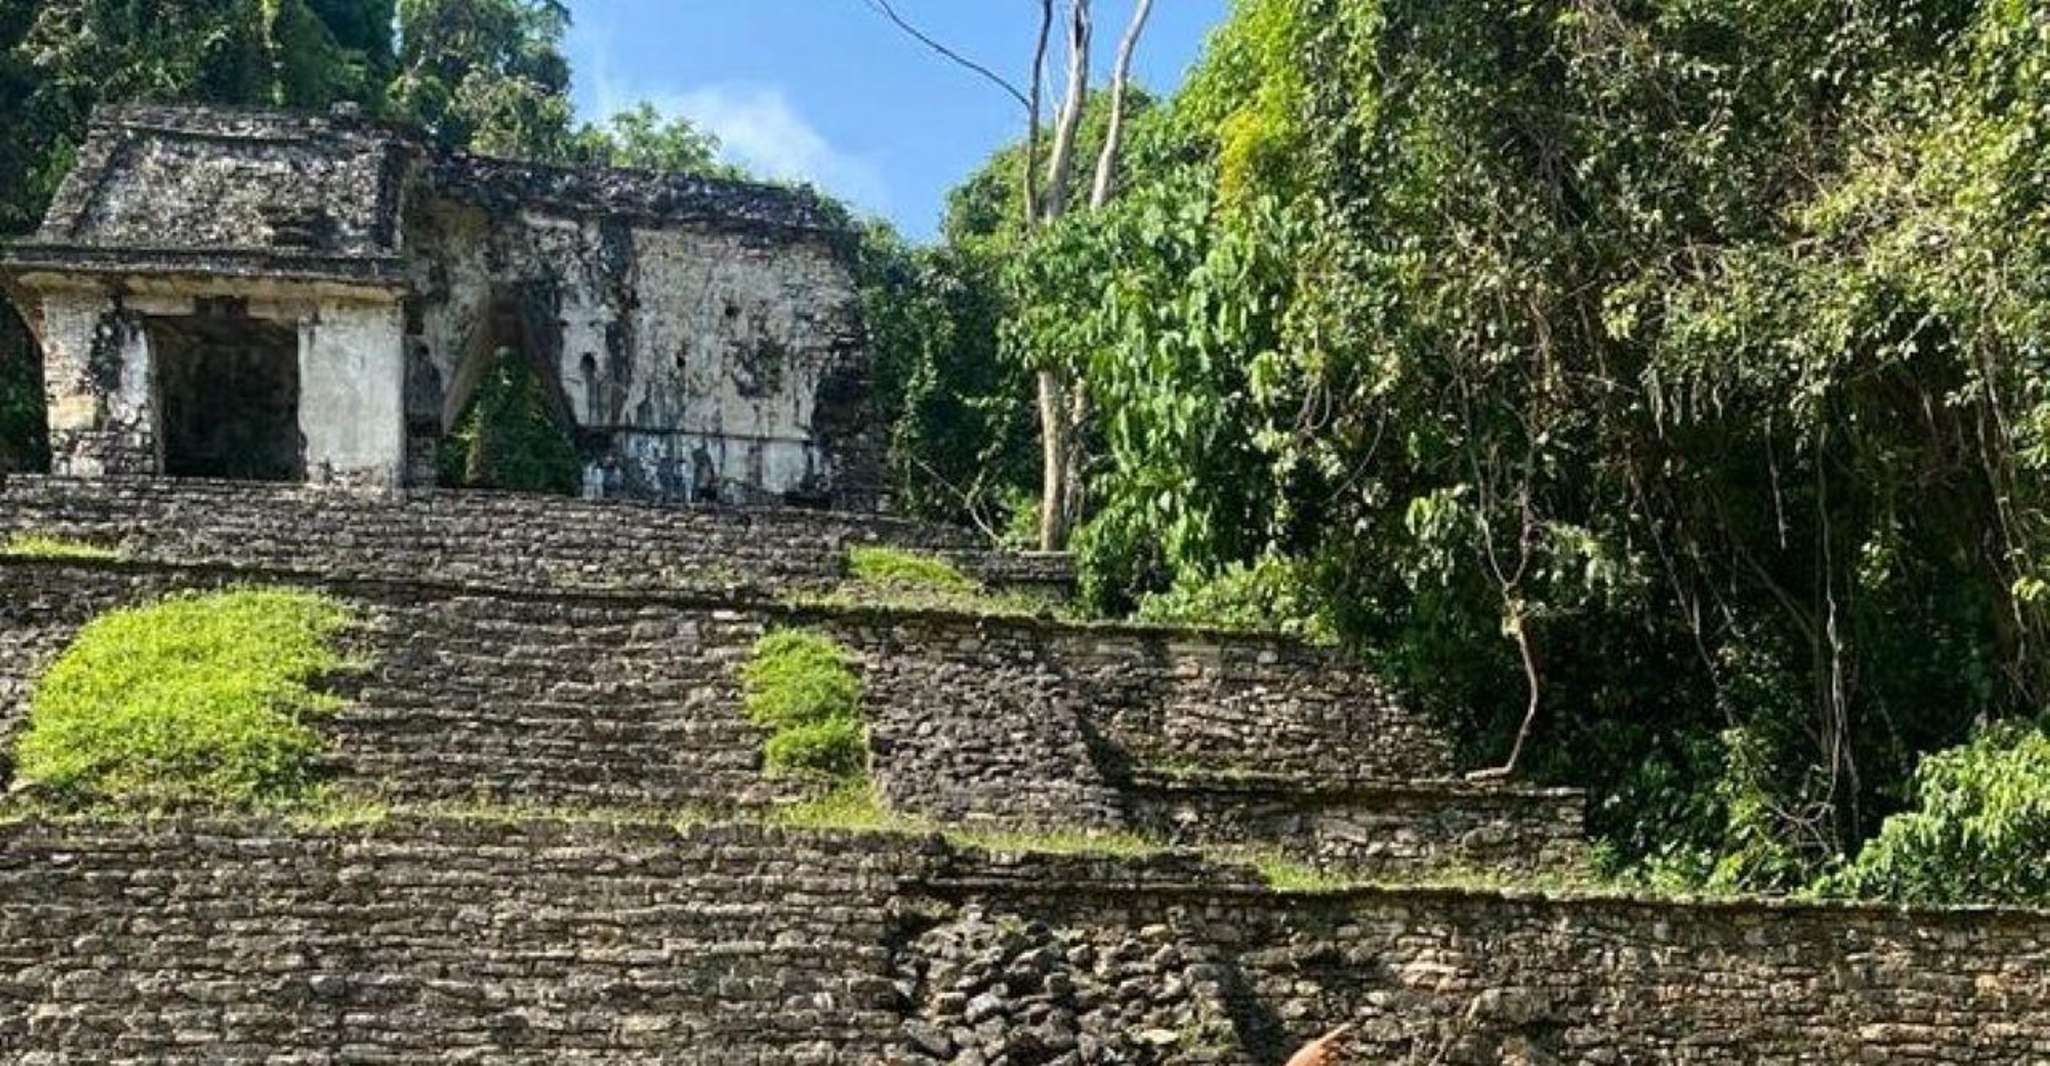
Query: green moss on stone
[802, 687]
[192, 699]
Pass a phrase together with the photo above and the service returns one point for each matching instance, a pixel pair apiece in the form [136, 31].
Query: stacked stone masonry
[572, 665]
[633, 699]
[500, 538]
[447, 942]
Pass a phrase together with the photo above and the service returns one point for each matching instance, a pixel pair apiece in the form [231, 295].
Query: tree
[1063, 405]
[486, 75]
[641, 138]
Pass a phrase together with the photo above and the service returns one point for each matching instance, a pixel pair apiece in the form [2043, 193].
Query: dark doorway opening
[228, 394]
[24, 430]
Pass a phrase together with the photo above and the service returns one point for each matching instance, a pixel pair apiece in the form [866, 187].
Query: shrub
[1981, 832]
[41, 546]
[508, 439]
[195, 698]
[835, 747]
[802, 687]
[898, 568]
[1271, 595]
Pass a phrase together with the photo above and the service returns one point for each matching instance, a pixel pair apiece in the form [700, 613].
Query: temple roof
[291, 195]
[226, 191]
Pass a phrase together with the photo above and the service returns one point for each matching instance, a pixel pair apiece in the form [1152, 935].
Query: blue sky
[826, 91]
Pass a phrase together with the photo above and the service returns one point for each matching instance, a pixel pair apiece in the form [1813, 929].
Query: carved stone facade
[290, 297]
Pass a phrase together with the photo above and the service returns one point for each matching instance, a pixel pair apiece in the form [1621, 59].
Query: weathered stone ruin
[567, 664]
[583, 862]
[273, 296]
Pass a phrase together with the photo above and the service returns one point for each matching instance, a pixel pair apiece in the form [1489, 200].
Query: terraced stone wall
[531, 944]
[634, 699]
[509, 539]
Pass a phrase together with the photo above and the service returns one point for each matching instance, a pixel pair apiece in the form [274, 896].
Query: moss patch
[43, 546]
[907, 570]
[852, 807]
[801, 686]
[900, 579]
[194, 699]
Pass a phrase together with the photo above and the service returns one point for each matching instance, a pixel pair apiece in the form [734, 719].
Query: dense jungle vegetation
[1667, 374]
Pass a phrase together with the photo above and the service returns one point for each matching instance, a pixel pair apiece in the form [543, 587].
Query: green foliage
[1695, 345]
[959, 416]
[1979, 830]
[1271, 594]
[23, 434]
[41, 546]
[194, 699]
[509, 438]
[802, 687]
[487, 75]
[641, 138]
[901, 568]
[834, 747]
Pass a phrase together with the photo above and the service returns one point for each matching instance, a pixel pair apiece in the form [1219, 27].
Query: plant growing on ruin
[801, 686]
[44, 546]
[192, 699]
[509, 438]
[1979, 833]
[899, 568]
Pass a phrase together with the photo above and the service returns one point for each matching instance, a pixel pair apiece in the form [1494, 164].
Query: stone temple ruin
[284, 297]
[1271, 843]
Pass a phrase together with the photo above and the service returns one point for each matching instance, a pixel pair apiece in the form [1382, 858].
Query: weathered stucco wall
[543, 944]
[702, 362]
[352, 379]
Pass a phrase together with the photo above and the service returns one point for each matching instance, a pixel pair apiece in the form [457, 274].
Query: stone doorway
[228, 397]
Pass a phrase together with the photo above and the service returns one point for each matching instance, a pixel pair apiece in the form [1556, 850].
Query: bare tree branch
[1032, 115]
[1113, 137]
[883, 8]
[1063, 157]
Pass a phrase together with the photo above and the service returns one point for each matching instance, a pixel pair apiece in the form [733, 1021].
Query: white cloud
[759, 129]
[757, 126]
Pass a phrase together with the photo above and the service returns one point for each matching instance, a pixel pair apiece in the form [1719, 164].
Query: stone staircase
[487, 684]
[567, 674]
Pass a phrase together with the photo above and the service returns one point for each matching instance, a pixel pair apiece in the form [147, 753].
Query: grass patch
[901, 569]
[854, 807]
[801, 686]
[44, 546]
[920, 581]
[194, 699]
[1284, 874]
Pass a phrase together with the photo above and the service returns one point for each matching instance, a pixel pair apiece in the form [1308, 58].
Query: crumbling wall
[697, 360]
[536, 943]
[614, 699]
[498, 538]
[96, 383]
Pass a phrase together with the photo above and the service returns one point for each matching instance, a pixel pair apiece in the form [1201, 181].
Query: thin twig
[883, 8]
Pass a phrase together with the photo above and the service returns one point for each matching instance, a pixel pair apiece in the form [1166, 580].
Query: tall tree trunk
[1060, 458]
